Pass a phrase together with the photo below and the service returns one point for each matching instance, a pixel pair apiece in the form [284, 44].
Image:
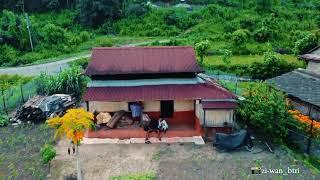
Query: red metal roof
[157, 92]
[219, 105]
[142, 60]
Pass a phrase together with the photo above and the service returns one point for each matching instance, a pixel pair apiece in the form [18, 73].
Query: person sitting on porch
[163, 126]
[152, 127]
[136, 111]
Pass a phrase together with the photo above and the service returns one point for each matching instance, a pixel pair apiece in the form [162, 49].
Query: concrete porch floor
[194, 139]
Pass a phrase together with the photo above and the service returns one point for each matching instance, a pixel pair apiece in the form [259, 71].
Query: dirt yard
[176, 161]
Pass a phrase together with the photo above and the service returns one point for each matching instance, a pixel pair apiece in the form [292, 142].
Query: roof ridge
[142, 47]
[307, 73]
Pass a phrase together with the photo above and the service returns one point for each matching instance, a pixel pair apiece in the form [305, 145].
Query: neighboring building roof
[142, 60]
[313, 55]
[301, 84]
[219, 104]
[157, 92]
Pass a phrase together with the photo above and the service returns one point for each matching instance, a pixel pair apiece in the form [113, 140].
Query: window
[166, 109]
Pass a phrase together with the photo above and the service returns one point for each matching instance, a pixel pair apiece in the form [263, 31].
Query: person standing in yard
[136, 111]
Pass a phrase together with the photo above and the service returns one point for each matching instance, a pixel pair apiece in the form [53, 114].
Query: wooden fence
[14, 96]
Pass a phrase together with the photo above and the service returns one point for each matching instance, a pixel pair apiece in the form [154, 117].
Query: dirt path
[56, 66]
[175, 161]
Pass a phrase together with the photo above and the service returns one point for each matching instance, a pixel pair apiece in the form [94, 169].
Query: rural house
[313, 60]
[303, 85]
[167, 81]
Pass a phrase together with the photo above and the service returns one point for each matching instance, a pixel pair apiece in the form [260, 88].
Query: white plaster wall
[314, 67]
[151, 106]
[148, 106]
[216, 118]
[183, 105]
[101, 106]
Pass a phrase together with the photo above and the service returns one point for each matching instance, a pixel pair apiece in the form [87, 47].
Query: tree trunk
[79, 174]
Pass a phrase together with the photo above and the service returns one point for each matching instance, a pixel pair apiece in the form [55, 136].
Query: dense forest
[39, 29]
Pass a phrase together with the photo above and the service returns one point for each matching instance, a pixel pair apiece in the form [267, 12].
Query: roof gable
[142, 60]
[312, 55]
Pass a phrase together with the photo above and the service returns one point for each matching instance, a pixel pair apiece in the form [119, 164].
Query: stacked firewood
[39, 108]
[115, 118]
[124, 122]
[30, 111]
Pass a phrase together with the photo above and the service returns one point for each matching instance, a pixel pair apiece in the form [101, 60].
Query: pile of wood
[125, 122]
[115, 118]
[30, 111]
[39, 108]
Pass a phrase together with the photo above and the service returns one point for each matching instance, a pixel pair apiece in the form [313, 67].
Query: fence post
[4, 101]
[310, 132]
[21, 90]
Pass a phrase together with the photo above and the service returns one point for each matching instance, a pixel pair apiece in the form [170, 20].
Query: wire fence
[14, 96]
[304, 142]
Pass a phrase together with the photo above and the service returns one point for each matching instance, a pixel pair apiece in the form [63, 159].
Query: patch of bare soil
[175, 161]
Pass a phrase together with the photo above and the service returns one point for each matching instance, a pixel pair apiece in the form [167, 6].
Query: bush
[53, 34]
[247, 22]
[305, 44]
[263, 34]
[69, 81]
[84, 36]
[47, 153]
[4, 120]
[230, 27]
[8, 55]
[83, 63]
[105, 42]
[240, 37]
[264, 109]
[271, 66]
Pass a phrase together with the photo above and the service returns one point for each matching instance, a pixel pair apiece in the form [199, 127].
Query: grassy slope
[245, 59]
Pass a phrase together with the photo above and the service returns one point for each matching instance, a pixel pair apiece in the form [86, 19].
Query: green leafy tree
[264, 5]
[13, 30]
[202, 49]
[93, 13]
[8, 55]
[226, 56]
[240, 37]
[265, 110]
[272, 66]
[53, 34]
[263, 34]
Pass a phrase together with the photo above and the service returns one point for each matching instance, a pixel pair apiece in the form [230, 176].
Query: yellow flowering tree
[73, 126]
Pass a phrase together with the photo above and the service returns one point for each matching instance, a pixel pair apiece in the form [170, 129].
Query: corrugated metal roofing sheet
[157, 92]
[219, 105]
[142, 60]
[143, 82]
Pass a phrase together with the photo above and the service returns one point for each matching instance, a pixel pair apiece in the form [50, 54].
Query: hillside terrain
[242, 27]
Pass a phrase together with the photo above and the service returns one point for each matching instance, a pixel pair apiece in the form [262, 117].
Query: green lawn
[245, 59]
[238, 88]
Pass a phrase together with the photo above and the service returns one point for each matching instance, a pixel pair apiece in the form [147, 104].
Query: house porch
[182, 124]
